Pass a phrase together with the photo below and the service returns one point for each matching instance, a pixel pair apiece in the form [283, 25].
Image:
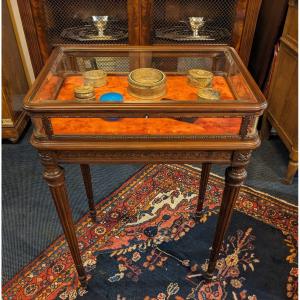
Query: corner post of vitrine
[54, 176]
[235, 175]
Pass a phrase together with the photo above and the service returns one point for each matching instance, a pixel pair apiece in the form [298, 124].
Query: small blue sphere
[111, 97]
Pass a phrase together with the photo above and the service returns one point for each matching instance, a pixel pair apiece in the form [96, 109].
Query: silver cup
[196, 23]
[100, 23]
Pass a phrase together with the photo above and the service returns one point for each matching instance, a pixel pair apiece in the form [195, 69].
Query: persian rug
[145, 234]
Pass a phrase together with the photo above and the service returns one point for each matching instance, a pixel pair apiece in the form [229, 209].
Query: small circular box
[84, 93]
[208, 94]
[95, 78]
[147, 83]
[200, 78]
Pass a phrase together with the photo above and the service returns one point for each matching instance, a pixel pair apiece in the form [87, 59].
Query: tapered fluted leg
[234, 178]
[203, 185]
[54, 175]
[87, 179]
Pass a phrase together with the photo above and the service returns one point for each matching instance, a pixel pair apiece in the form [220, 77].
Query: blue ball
[111, 97]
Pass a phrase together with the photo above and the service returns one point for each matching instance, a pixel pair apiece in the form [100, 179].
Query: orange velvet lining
[177, 88]
[142, 126]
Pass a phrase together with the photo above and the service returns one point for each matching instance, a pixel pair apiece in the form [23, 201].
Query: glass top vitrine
[178, 112]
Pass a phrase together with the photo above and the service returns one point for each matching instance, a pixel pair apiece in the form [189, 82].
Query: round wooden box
[95, 78]
[147, 83]
[200, 78]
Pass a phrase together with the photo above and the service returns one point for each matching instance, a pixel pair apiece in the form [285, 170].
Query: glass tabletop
[124, 76]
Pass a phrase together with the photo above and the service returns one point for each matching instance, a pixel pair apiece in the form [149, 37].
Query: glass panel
[226, 80]
[146, 126]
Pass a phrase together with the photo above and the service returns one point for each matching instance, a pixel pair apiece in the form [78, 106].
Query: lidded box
[147, 83]
[95, 78]
[84, 93]
[200, 78]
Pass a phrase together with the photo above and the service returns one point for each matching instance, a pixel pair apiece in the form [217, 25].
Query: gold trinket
[95, 78]
[84, 93]
[208, 94]
[200, 78]
[147, 83]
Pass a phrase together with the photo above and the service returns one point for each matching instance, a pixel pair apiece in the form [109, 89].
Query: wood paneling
[14, 81]
[268, 32]
[282, 112]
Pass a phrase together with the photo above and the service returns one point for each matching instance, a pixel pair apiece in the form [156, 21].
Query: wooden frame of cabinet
[282, 111]
[139, 27]
[15, 78]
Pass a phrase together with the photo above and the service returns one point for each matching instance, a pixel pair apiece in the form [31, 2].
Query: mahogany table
[178, 128]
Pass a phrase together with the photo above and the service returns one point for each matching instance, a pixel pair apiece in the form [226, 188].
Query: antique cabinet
[14, 80]
[50, 23]
[176, 127]
[282, 112]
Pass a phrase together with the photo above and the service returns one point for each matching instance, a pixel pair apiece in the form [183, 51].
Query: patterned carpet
[145, 234]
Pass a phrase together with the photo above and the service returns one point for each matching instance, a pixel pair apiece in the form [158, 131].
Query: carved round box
[95, 78]
[200, 78]
[147, 83]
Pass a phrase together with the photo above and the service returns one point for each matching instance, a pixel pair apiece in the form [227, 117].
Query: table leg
[54, 175]
[87, 179]
[203, 185]
[234, 178]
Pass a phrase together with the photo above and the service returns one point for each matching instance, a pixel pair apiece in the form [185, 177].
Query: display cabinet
[49, 23]
[234, 115]
[144, 107]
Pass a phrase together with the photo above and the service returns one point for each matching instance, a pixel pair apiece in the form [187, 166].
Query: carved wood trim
[241, 158]
[144, 156]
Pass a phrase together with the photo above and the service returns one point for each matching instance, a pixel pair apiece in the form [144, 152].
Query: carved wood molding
[144, 156]
[235, 176]
[247, 125]
[241, 158]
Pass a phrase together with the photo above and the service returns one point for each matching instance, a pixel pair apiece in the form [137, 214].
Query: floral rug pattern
[146, 243]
